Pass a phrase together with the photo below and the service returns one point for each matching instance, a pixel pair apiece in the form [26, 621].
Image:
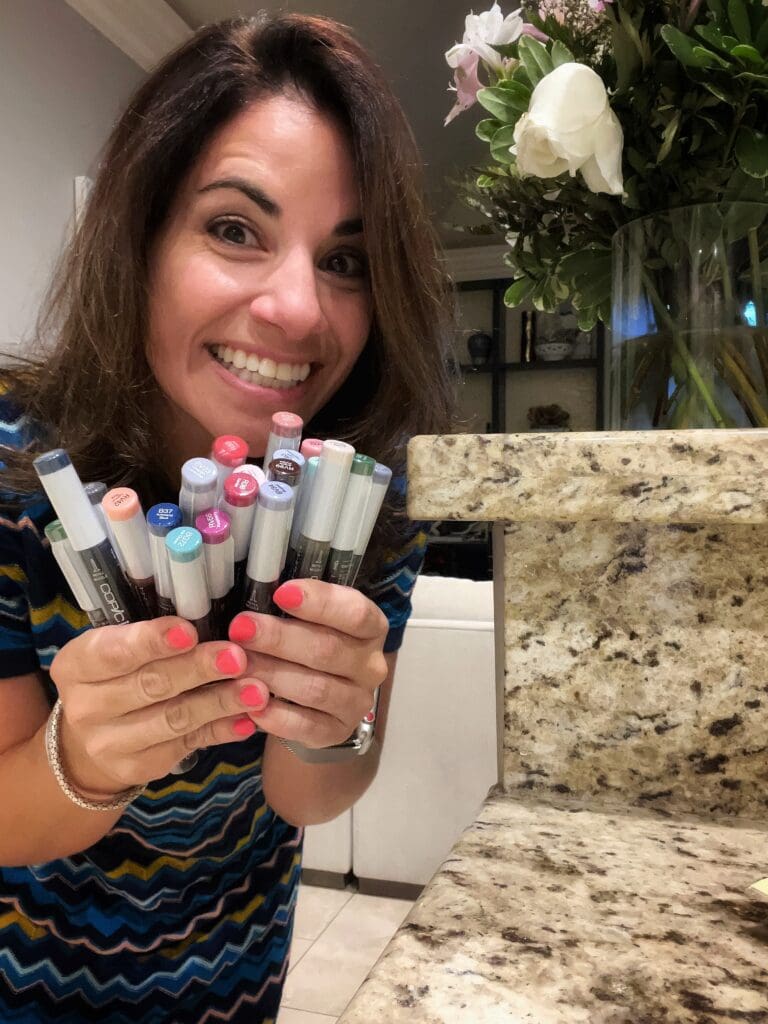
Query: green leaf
[683, 48]
[586, 319]
[709, 59]
[502, 103]
[761, 41]
[714, 37]
[535, 59]
[518, 292]
[716, 6]
[485, 181]
[739, 19]
[506, 49]
[561, 54]
[668, 138]
[748, 53]
[501, 142]
[752, 152]
[519, 89]
[486, 129]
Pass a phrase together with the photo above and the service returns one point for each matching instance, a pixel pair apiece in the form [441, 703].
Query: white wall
[61, 87]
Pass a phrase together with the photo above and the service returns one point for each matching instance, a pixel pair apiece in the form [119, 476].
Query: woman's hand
[323, 665]
[138, 698]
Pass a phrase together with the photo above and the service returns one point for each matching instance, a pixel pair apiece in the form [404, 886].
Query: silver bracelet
[53, 753]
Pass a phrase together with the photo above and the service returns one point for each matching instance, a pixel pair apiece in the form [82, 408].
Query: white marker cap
[199, 486]
[123, 510]
[354, 505]
[271, 529]
[70, 502]
[381, 478]
[328, 490]
[187, 564]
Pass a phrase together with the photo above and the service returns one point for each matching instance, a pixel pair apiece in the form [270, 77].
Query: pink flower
[466, 86]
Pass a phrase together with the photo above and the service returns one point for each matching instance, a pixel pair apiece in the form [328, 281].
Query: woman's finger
[341, 608]
[334, 695]
[309, 727]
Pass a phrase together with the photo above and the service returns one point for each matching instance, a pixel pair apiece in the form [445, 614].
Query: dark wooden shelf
[539, 364]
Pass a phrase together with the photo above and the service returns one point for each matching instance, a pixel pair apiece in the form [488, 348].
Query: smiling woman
[255, 241]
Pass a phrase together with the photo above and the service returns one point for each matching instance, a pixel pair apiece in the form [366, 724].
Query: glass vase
[689, 336]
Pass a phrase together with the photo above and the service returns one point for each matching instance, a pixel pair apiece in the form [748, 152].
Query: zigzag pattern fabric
[183, 913]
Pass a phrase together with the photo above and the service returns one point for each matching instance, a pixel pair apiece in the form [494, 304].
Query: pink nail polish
[179, 639]
[289, 596]
[243, 727]
[242, 629]
[228, 663]
[253, 697]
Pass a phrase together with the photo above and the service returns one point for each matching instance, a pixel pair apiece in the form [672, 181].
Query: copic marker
[187, 565]
[285, 471]
[123, 510]
[311, 446]
[294, 456]
[161, 519]
[379, 487]
[199, 484]
[322, 512]
[87, 536]
[350, 520]
[96, 491]
[74, 573]
[218, 551]
[301, 502]
[239, 503]
[269, 544]
[285, 433]
[228, 452]
[256, 472]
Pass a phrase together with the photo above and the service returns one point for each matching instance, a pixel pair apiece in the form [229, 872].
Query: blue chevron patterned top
[183, 912]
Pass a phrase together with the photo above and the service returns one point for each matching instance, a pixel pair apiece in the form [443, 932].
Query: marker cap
[362, 465]
[213, 526]
[271, 528]
[198, 475]
[163, 518]
[241, 489]
[290, 453]
[230, 450]
[311, 446]
[52, 462]
[184, 544]
[256, 472]
[54, 531]
[328, 490]
[65, 492]
[285, 470]
[276, 496]
[287, 424]
[121, 504]
[95, 491]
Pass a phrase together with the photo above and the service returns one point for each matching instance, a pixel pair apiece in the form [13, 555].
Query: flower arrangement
[602, 112]
[629, 147]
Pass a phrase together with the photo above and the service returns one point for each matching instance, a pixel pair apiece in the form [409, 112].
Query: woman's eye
[233, 232]
[347, 264]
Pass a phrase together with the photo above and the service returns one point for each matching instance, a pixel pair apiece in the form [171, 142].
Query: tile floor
[338, 936]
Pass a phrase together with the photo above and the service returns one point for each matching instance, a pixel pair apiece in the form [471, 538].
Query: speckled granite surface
[661, 476]
[562, 915]
[635, 692]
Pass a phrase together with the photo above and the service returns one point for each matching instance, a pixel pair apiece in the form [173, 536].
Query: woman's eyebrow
[353, 226]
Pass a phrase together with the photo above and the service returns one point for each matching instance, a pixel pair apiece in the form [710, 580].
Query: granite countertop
[549, 912]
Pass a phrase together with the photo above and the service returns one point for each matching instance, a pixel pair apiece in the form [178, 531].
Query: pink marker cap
[120, 504]
[213, 525]
[230, 450]
[287, 424]
[311, 446]
[256, 472]
[241, 490]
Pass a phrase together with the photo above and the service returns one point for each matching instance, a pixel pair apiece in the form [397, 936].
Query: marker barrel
[199, 483]
[322, 513]
[96, 491]
[161, 519]
[218, 551]
[123, 510]
[87, 536]
[269, 544]
[285, 433]
[74, 573]
[187, 564]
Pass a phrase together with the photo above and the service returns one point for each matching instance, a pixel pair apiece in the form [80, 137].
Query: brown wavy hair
[88, 384]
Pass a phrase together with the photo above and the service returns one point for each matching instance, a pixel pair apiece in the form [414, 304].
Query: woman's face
[259, 293]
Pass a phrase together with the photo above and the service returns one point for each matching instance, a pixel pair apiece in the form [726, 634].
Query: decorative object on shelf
[480, 347]
[606, 113]
[548, 418]
[553, 351]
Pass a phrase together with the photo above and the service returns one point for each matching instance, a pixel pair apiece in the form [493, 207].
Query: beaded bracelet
[53, 753]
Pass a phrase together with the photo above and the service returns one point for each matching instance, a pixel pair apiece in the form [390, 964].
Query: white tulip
[483, 30]
[570, 126]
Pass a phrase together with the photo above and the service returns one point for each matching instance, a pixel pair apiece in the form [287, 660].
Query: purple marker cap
[276, 496]
[214, 526]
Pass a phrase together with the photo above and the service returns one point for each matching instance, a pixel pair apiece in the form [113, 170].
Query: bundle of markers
[237, 532]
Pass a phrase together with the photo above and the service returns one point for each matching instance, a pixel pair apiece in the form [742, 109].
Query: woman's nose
[288, 299]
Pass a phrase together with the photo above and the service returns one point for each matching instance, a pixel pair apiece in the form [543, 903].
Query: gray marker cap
[51, 462]
[275, 496]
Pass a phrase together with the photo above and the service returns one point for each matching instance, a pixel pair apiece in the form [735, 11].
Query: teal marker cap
[184, 544]
[362, 465]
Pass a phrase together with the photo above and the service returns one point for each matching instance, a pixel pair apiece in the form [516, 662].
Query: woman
[257, 202]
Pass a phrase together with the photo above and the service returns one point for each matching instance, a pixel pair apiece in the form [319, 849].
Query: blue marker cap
[288, 453]
[275, 496]
[163, 518]
[51, 462]
[184, 544]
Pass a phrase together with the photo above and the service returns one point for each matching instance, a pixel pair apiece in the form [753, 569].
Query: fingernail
[179, 639]
[243, 727]
[288, 596]
[228, 663]
[253, 697]
[242, 629]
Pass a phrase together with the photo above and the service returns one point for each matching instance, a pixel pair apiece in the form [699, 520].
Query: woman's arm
[38, 822]
[308, 794]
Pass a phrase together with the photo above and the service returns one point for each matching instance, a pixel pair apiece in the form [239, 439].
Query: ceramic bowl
[551, 351]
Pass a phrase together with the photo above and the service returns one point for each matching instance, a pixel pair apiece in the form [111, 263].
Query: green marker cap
[54, 531]
[362, 465]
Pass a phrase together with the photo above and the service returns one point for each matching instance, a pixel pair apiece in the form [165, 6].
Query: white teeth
[268, 368]
[264, 372]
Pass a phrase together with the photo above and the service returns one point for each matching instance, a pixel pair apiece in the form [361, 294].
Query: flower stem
[757, 296]
[682, 350]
